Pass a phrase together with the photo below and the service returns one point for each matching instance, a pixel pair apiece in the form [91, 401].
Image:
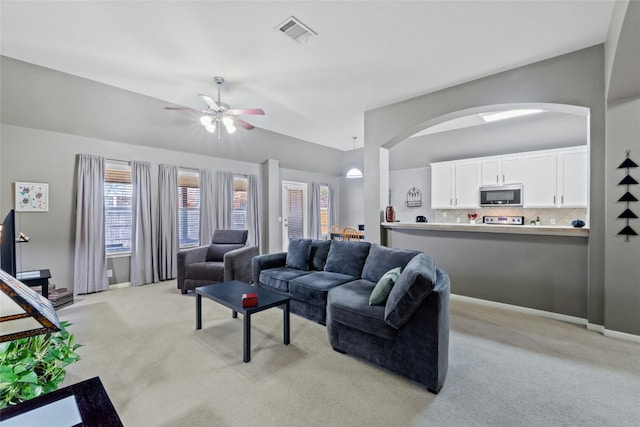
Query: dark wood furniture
[36, 278]
[85, 403]
[229, 294]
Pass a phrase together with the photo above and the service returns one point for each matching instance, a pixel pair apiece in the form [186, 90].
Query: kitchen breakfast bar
[538, 267]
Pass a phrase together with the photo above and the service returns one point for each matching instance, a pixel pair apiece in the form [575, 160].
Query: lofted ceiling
[367, 54]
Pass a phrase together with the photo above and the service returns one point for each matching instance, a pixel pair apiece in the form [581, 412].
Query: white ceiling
[367, 53]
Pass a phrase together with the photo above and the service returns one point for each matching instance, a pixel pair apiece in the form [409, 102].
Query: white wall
[401, 181]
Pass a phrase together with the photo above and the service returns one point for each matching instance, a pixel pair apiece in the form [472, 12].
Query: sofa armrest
[189, 256]
[264, 262]
[237, 263]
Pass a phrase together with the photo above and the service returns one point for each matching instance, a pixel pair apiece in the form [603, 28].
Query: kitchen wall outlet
[458, 220]
[552, 221]
[109, 273]
[444, 214]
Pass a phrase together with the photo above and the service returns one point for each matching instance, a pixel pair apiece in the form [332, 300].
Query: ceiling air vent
[296, 30]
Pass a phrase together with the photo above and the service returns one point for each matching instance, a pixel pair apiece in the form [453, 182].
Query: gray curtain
[315, 224]
[253, 215]
[167, 221]
[225, 200]
[90, 259]
[333, 209]
[207, 206]
[143, 245]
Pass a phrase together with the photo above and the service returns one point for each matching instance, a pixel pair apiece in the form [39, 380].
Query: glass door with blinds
[294, 211]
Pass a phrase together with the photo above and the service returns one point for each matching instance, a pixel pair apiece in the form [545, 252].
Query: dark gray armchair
[226, 258]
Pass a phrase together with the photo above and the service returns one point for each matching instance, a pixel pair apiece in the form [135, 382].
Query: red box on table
[249, 300]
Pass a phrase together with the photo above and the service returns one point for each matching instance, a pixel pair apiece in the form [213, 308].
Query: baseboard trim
[622, 336]
[550, 315]
[120, 285]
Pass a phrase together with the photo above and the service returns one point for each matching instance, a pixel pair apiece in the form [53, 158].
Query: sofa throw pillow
[414, 284]
[347, 257]
[298, 254]
[381, 292]
[319, 252]
[216, 251]
[382, 259]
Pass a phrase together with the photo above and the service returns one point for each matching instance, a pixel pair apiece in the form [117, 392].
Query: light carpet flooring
[505, 369]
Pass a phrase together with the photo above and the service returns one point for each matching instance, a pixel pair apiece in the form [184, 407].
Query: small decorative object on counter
[472, 218]
[422, 218]
[537, 220]
[390, 214]
[578, 223]
[249, 300]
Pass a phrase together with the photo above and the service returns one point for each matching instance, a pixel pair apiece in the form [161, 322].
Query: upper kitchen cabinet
[556, 178]
[573, 176]
[540, 180]
[501, 170]
[442, 176]
[455, 185]
[467, 185]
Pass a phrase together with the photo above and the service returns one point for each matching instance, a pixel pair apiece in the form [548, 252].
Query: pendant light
[354, 172]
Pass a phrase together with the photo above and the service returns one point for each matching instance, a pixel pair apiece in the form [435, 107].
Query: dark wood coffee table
[229, 294]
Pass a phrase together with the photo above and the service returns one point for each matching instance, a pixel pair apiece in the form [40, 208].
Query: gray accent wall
[514, 269]
[576, 79]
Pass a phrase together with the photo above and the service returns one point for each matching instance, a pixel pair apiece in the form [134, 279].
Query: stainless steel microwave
[501, 195]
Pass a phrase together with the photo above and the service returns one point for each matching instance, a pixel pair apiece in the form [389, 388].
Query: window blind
[295, 214]
[188, 208]
[117, 204]
[239, 211]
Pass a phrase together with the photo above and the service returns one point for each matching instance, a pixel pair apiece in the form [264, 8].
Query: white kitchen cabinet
[442, 176]
[540, 180]
[501, 170]
[573, 178]
[467, 185]
[455, 185]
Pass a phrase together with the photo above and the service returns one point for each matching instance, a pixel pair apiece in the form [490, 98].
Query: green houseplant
[36, 365]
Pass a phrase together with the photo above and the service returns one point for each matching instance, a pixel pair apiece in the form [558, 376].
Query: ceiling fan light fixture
[206, 120]
[210, 127]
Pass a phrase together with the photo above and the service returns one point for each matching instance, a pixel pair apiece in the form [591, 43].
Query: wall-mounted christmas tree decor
[628, 198]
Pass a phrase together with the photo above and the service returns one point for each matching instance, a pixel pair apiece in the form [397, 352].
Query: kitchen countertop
[540, 230]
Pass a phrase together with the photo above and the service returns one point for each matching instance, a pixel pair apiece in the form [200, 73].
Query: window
[117, 207]
[239, 211]
[188, 208]
[324, 209]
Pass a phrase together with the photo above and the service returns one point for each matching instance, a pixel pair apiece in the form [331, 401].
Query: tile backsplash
[562, 216]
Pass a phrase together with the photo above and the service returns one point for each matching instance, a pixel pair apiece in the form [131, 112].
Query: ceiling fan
[219, 114]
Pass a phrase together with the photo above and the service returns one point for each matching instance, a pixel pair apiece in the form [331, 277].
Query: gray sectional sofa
[331, 282]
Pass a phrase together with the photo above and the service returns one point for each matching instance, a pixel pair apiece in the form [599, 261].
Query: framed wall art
[32, 197]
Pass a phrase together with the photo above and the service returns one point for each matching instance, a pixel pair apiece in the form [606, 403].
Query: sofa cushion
[278, 278]
[319, 252]
[213, 271]
[347, 257]
[382, 259]
[312, 288]
[216, 251]
[298, 254]
[381, 292]
[349, 304]
[414, 284]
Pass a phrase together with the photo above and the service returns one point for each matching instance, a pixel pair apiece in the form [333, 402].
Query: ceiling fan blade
[255, 111]
[181, 108]
[210, 102]
[242, 123]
